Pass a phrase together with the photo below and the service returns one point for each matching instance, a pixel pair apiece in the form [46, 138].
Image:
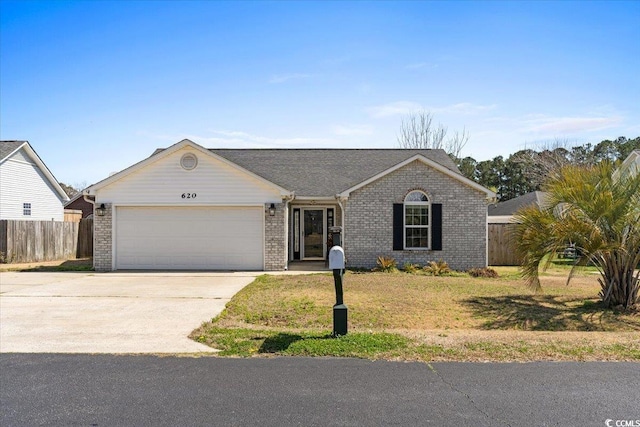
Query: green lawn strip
[241, 342]
[250, 342]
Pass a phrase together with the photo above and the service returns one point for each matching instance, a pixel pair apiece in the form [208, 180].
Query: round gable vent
[189, 161]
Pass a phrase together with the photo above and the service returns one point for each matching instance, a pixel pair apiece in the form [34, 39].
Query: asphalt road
[103, 390]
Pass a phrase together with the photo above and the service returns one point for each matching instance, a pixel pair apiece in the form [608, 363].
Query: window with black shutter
[417, 223]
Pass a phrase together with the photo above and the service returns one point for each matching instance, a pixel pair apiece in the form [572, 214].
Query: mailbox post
[337, 263]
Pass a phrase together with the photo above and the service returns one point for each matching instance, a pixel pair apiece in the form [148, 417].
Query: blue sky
[97, 86]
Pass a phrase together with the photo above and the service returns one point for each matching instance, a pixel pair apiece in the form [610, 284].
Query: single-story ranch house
[190, 208]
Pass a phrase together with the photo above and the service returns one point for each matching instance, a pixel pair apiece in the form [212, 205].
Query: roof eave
[45, 170]
[489, 194]
[168, 151]
[316, 198]
[8, 156]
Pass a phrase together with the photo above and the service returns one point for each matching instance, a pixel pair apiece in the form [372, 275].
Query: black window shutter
[398, 226]
[436, 226]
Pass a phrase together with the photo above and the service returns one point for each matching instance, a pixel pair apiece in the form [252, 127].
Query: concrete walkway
[110, 312]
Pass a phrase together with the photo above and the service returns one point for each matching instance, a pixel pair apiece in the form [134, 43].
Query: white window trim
[404, 219]
[26, 209]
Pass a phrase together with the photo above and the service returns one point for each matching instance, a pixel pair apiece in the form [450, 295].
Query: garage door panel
[205, 238]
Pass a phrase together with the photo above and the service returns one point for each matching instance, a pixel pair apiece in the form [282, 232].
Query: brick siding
[369, 219]
[275, 238]
[102, 240]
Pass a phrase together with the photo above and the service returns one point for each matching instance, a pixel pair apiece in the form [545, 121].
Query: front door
[313, 236]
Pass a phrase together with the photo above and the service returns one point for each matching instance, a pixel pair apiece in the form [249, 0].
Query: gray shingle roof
[510, 207]
[8, 147]
[324, 172]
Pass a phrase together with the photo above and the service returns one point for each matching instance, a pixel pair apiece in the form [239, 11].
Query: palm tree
[599, 212]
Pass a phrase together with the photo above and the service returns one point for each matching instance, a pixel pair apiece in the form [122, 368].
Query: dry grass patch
[445, 318]
[379, 301]
[526, 346]
[81, 264]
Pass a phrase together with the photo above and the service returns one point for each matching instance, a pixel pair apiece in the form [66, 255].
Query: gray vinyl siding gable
[21, 181]
[369, 219]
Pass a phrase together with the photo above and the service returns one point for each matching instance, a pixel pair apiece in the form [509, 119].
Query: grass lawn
[81, 264]
[415, 317]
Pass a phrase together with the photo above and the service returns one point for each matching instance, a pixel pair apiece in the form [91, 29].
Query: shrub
[386, 264]
[482, 272]
[4, 259]
[410, 268]
[437, 268]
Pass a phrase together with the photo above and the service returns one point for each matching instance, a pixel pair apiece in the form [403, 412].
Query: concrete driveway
[110, 312]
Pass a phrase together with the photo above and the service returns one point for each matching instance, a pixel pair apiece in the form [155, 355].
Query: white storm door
[314, 239]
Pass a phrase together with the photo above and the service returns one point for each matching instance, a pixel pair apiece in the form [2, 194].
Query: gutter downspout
[84, 196]
[93, 203]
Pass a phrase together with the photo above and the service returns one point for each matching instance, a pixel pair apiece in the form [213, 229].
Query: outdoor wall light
[102, 210]
[272, 210]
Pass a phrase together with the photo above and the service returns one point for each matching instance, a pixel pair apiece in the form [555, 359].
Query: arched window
[417, 220]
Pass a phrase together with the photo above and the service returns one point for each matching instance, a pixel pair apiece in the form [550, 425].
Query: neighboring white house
[630, 165]
[503, 212]
[28, 189]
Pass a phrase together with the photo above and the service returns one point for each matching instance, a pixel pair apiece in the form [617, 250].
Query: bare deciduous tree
[69, 189]
[547, 158]
[456, 143]
[417, 130]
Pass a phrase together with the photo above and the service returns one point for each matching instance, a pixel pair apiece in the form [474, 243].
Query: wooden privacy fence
[501, 247]
[72, 215]
[33, 241]
[85, 238]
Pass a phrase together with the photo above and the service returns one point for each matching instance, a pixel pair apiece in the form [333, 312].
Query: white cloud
[240, 139]
[463, 108]
[562, 125]
[353, 130]
[282, 78]
[407, 107]
[394, 109]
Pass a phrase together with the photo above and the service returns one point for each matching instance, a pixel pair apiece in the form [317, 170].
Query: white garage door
[189, 238]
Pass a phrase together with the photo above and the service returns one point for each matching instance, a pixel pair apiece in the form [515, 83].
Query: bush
[410, 268]
[386, 264]
[4, 259]
[437, 268]
[482, 272]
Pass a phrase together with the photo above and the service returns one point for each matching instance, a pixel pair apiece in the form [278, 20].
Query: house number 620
[188, 195]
